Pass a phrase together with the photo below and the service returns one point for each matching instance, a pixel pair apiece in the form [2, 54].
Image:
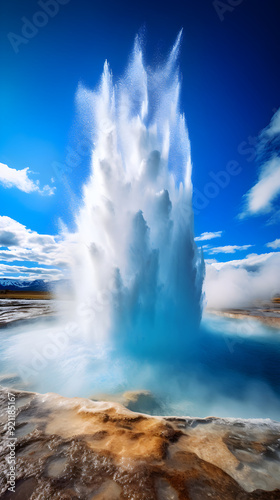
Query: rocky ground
[268, 314]
[82, 449]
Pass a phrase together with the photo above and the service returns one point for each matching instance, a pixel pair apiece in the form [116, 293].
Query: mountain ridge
[28, 285]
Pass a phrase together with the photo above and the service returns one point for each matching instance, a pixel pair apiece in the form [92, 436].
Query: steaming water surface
[230, 370]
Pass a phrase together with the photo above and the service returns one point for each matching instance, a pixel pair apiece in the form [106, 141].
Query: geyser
[134, 322]
[137, 272]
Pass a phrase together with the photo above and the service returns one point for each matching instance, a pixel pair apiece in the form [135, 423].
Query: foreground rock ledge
[80, 449]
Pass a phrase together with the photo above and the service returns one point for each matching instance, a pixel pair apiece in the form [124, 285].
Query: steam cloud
[241, 283]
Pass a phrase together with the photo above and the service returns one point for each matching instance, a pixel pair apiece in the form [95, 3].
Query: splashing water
[137, 273]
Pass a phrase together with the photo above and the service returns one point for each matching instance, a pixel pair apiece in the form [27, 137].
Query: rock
[81, 449]
[140, 401]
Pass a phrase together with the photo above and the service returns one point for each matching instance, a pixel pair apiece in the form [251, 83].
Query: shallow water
[15, 310]
[230, 369]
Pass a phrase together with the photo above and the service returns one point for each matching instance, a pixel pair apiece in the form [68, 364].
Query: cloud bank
[12, 178]
[240, 283]
[19, 244]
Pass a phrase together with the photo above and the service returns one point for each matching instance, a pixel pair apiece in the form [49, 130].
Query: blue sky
[230, 91]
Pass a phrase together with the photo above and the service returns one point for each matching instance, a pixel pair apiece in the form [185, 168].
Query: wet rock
[80, 449]
[140, 401]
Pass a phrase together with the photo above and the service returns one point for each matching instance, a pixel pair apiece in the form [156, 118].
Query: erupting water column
[138, 274]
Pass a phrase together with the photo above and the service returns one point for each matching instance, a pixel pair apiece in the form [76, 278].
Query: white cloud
[20, 244]
[274, 244]
[274, 126]
[261, 196]
[260, 199]
[241, 283]
[250, 262]
[211, 261]
[208, 236]
[10, 177]
[30, 273]
[228, 249]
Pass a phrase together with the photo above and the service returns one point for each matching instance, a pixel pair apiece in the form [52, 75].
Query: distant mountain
[28, 286]
[63, 286]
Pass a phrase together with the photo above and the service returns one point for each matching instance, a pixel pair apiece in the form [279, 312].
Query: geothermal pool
[231, 369]
[135, 321]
